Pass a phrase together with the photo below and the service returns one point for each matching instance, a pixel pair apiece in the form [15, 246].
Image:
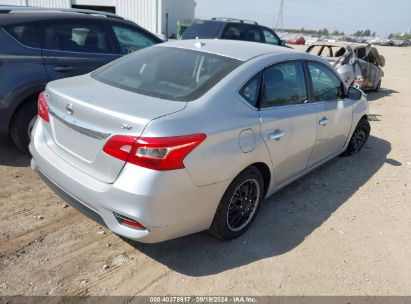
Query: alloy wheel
[358, 138]
[243, 205]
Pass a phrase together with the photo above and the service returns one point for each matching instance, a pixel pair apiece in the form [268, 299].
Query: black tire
[234, 202]
[22, 125]
[359, 137]
[378, 87]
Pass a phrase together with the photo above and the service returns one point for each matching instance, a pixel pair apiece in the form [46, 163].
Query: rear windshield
[167, 72]
[203, 30]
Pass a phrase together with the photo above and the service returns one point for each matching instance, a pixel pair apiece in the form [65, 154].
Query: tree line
[400, 36]
[326, 32]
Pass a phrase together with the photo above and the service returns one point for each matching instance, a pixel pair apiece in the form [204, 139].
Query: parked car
[231, 29]
[351, 60]
[192, 135]
[401, 43]
[298, 40]
[39, 45]
[381, 41]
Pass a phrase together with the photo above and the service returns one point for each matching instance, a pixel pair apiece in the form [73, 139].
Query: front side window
[28, 34]
[253, 34]
[130, 39]
[270, 38]
[326, 86]
[168, 72]
[284, 84]
[75, 36]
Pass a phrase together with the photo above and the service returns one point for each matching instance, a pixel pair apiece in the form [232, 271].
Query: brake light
[43, 109]
[157, 153]
[120, 146]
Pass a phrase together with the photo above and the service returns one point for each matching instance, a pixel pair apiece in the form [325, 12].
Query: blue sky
[381, 16]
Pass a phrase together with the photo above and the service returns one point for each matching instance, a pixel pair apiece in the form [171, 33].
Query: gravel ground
[344, 229]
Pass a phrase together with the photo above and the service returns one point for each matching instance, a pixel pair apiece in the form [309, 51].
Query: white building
[157, 16]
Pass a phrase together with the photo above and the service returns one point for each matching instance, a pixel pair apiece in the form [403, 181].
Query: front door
[288, 122]
[334, 114]
[75, 47]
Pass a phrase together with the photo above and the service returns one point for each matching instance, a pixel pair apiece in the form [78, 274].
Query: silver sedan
[192, 135]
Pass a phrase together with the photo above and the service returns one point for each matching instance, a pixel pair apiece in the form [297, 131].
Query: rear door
[334, 114]
[288, 121]
[76, 47]
[243, 31]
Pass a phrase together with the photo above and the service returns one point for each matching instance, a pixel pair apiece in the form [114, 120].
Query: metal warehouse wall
[176, 9]
[150, 14]
[50, 3]
[44, 3]
[143, 12]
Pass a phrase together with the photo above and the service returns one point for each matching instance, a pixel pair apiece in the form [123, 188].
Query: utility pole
[280, 19]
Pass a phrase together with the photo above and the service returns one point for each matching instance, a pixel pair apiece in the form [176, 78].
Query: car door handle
[63, 69]
[276, 135]
[323, 121]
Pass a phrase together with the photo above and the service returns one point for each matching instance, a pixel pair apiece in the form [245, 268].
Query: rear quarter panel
[22, 74]
[221, 115]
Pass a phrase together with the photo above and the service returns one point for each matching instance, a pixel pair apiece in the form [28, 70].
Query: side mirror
[354, 94]
[282, 42]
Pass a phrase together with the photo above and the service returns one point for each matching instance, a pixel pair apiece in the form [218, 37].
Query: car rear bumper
[167, 203]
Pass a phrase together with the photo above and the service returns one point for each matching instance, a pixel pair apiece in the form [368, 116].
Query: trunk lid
[85, 113]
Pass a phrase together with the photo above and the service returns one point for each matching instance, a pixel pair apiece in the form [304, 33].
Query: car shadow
[372, 96]
[284, 221]
[11, 156]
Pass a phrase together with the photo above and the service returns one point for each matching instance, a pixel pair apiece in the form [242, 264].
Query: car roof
[240, 50]
[226, 20]
[10, 18]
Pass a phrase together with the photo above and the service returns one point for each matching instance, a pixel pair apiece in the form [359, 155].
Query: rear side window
[28, 34]
[243, 32]
[167, 72]
[326, 86]
[203, 30]
[75, 36]
[284, 84]
[130, 39]
[250, 91]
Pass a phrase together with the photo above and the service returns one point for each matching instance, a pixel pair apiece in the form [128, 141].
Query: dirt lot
[343, 229]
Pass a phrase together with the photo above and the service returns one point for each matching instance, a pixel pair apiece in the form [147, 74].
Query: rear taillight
[158, 153]
[43, 109]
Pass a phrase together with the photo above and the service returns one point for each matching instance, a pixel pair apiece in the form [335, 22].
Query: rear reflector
[43, 109]
[128, 222]
[157, 153]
